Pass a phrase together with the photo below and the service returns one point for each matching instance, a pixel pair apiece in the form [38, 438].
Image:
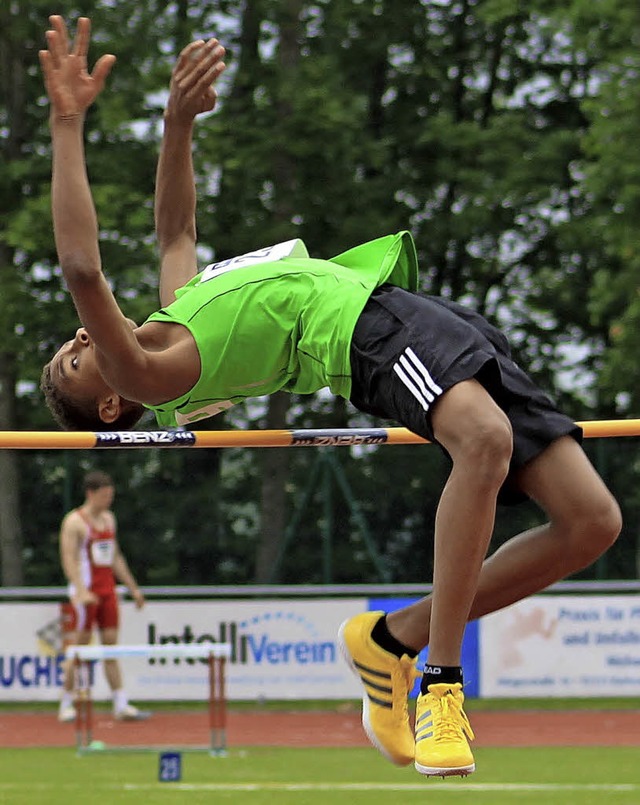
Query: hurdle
[320, 437]
[216, 654]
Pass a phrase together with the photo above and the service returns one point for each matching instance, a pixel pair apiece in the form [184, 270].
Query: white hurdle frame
[217, 655]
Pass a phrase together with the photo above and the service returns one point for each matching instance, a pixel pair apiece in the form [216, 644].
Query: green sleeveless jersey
[276, 319]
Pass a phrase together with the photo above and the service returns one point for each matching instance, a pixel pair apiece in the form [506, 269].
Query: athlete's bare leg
[584, 520]
[79, 638]
[477, 435]
[109, 637]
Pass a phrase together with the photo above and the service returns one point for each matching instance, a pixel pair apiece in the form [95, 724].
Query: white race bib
[102, 552]
[290, 248]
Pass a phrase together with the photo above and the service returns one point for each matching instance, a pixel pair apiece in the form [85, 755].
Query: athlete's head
[99, 489]
[78, 396]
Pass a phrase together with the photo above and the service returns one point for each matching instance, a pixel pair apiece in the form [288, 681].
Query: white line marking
[427, 785]
[452, 786]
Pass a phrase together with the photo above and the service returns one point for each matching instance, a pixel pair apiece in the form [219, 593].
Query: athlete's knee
[475, 432]
[486, 447]
[109, 636]
[603, 524]
[594, 529]
[491, 448]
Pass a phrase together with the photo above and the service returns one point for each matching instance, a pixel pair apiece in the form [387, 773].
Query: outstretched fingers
[189, 53]
[45, 62]
[83, 35]
[55, 49]
[57, 39]
[101, 70]
[71, 88]
[199, 66]
[50, 64]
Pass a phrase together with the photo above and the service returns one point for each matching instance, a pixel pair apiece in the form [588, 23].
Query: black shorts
[408, 349]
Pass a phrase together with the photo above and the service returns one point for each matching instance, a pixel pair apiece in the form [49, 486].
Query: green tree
[612, 179]
[500, 135]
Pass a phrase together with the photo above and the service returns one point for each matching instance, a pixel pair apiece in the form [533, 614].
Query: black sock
[433, 674]
[381, 635]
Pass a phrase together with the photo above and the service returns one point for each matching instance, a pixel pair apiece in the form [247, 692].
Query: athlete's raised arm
[72, 90]
[191, 92]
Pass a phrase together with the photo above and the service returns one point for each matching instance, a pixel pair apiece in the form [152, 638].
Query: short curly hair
[82, 414]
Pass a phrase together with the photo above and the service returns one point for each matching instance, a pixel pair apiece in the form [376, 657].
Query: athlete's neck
[94, 512]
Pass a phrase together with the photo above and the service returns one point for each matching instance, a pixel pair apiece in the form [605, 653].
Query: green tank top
[276, 319]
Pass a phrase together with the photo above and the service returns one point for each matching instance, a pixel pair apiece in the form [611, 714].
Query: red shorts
[104, 614]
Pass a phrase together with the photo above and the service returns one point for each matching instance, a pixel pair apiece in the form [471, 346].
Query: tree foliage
[501, 135]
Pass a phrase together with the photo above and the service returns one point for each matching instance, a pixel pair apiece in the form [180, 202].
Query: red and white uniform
[97, 554]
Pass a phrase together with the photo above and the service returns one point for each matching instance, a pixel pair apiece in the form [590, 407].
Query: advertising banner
[281, 649]
[30, 662]
[287, 648]
[562, 646]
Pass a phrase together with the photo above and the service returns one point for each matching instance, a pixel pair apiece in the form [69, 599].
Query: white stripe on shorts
[424, 371]
[416, 377]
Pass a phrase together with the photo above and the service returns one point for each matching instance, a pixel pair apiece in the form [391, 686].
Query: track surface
[527, 728]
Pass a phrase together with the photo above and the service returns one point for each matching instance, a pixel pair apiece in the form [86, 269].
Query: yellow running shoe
[387, 682]
[443, 732]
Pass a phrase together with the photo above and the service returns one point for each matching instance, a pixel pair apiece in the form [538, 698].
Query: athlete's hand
[192, 91]
[138, 598]
[70, 87]
[85, 597]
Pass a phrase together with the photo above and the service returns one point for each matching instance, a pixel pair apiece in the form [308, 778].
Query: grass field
[263, 776]
[344, 776]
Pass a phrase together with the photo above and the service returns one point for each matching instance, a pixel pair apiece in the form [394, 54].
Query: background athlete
[92, 561]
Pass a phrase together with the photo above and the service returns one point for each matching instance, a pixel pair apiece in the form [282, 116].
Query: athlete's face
[101, 499]
[74, 369]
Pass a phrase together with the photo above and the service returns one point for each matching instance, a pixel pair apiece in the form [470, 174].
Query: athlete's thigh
[85, 618]
[407, 351]
[563, 482]
[108, 616]
[464, 413]
[108, 637]
[83, 637]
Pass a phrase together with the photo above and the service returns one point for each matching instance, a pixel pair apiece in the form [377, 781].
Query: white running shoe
[131, 713]
[66, 713]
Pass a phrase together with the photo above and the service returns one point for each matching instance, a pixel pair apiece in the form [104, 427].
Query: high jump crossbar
[56, 440]
[216, 655]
